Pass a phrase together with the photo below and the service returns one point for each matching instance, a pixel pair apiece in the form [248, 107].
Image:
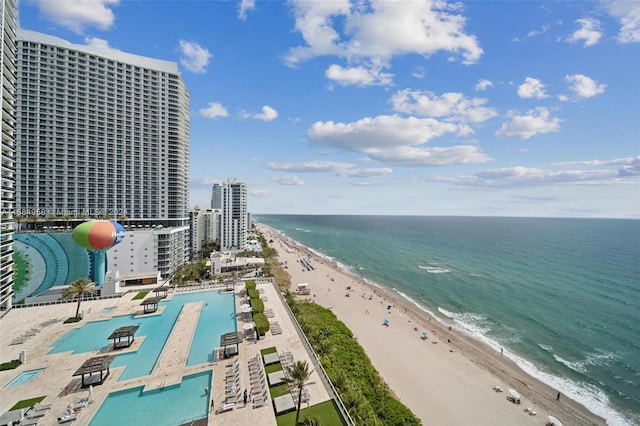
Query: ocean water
[561, 296]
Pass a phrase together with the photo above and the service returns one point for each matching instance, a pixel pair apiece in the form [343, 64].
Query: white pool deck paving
[170, 368]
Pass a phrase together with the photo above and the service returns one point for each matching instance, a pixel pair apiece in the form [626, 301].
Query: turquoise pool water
[107, 310]
[170, 406]
[24, 377]
[216, 318]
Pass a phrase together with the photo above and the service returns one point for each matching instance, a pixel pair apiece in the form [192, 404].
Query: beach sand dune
[446, 379]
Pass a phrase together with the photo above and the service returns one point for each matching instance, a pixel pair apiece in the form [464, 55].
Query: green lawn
[273, 367]
[140, 295]
[326, 412]
[279, 390]
[27, 403]
[270, 350]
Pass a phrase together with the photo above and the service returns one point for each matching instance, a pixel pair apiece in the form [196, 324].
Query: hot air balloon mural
[98, 236]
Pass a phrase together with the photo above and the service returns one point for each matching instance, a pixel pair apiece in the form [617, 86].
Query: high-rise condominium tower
[8, 25]
[103, 133]
[216, 196]
[233, 228]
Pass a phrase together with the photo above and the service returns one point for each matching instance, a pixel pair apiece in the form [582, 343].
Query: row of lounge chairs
[259, 390]
[232, 388]
[25, 336]
[35, 414]
[275, 328]
[286, 359]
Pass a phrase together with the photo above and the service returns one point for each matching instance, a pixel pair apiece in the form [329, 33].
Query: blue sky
[500, 108]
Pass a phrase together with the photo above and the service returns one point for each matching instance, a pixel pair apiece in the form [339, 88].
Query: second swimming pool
[218, 316]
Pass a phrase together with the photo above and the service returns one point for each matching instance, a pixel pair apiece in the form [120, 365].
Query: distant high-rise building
[233, 227]
[8, 24]
[103, 133]
[205, 227]
[216, 196]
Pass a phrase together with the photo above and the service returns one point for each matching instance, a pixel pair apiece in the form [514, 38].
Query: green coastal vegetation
[362, 390]
[365, 395]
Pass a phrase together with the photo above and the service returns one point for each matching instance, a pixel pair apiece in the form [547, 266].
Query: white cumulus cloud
[535, 122]
[628, 13]
[531, 88]
[245, 6]
[96, 42]
[583, 86]
[483, 85]
[195, 58]
[333, 167]
[214, 110]
[267, 114]
[450, 106]
[358, 76]
[396, 140]
[589, 32]
[76, 15]
[371, 33]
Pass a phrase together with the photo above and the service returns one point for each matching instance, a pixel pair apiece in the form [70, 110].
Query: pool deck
[42, 326]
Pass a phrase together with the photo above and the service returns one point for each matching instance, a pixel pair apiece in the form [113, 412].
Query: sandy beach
[446, 379]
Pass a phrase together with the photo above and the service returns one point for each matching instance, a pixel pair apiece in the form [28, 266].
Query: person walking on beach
[211, 409]
[558, 397]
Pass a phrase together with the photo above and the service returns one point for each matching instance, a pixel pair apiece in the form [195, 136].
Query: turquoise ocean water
[562, 296]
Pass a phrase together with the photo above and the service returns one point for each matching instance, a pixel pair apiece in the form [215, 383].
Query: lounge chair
[67, 417]
[226, 407]
[39, 406]
[34, 414]
[31, 421]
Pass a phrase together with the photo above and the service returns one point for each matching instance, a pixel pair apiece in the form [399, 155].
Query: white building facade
[103, 133]
[8, 26]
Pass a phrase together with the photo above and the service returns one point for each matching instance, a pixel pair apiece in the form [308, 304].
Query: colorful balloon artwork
[98, 234]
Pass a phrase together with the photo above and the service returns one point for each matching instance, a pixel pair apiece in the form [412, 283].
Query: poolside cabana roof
[98, 364]
[150, 304]
[229, 342]
[120, 333]
[160, 292]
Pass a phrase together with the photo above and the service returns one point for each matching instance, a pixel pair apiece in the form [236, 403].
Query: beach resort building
[8, 22]
[103, 134]
[234, 225]
[205, 227]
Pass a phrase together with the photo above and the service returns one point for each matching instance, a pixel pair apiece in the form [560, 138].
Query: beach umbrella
[424, 334]
[552, 421]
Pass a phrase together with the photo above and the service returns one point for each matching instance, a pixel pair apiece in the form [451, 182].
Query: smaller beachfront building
[227, 262]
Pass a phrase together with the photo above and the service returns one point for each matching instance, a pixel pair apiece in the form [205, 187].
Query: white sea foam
[574, 365]
[588, 395]
[547, 348]
[303, 230]
[414, 302]
[434, 269]
[471, 322]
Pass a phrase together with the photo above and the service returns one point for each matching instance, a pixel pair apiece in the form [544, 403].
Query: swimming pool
[216, 318]
[170, 406]
[24, 378]
[107, 310]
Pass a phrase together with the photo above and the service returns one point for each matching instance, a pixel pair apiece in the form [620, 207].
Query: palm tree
[77, 289]
[297, 376]
[311, 421]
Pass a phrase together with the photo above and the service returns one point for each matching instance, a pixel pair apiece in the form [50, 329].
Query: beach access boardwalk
[56, 383]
